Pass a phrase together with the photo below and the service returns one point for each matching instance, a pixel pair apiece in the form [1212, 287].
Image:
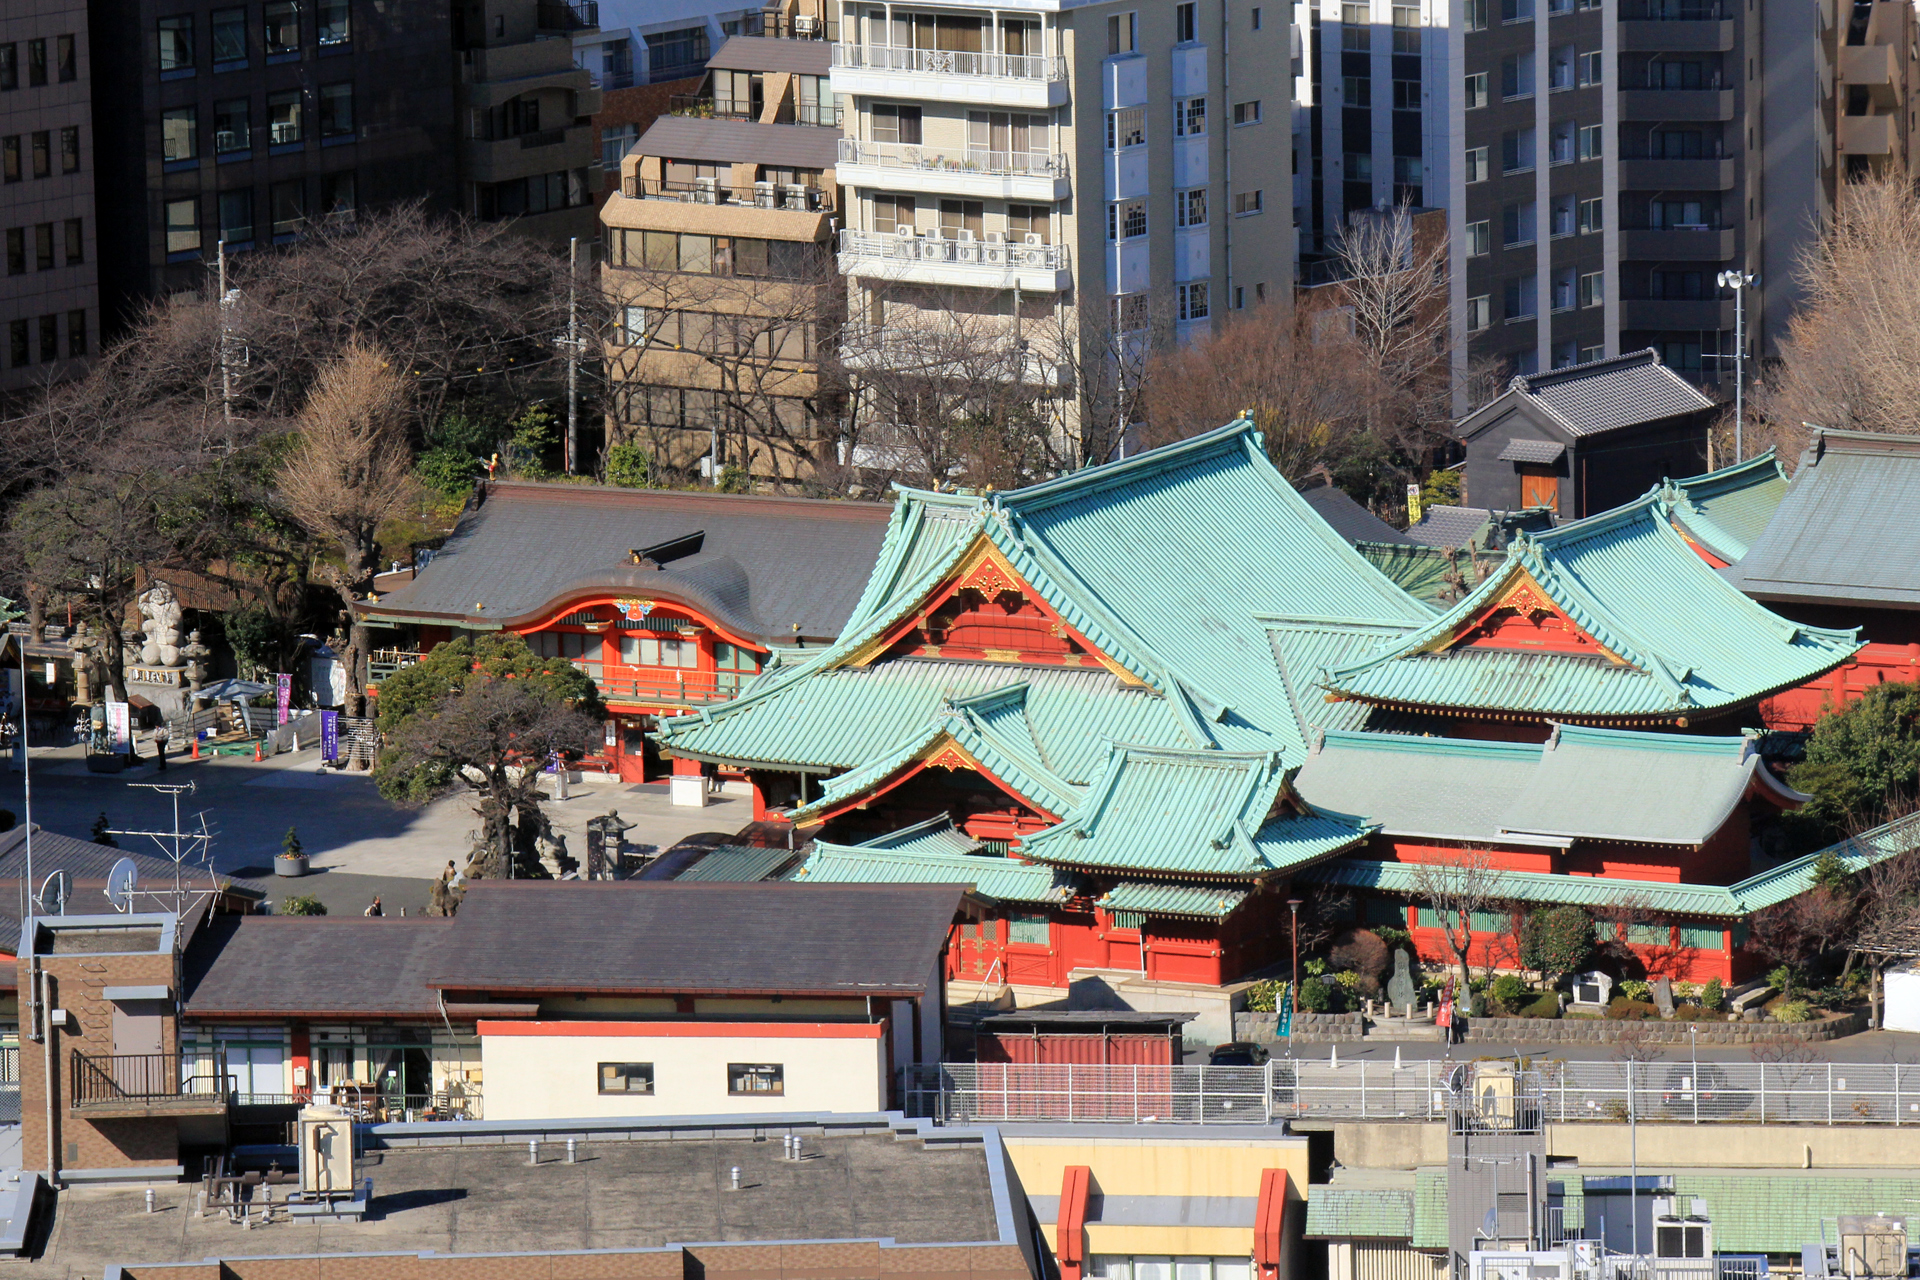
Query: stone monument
[1662, 989]
[1400, 990]
[1592, 991]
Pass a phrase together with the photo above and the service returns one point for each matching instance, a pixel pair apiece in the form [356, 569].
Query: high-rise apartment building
[50, 304]
[1087, 171]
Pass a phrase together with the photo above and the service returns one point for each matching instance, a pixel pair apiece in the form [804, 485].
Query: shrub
[1543, 1006]
[1264, 996]
[1556, 940]
[1315, 996]
[1633, 989]
[1694, 1013]
[1626, 1010]
[1509, 989]
[627, 466]
[1361, 952]
[302, 904]
[1793, 1011]
[1347, 980]
[1713, 995]
[1315, 967]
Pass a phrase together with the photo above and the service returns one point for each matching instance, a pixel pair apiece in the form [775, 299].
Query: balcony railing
[147, 1080]
[705, 106]
[1657, 12]
[950, 62]
[382, 663]
[761, 195]
[567, 15]
[993, 253]
[678, 688]
[903, 155]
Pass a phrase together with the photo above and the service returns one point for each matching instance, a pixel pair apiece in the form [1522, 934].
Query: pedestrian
[373, 908]
[161, 737]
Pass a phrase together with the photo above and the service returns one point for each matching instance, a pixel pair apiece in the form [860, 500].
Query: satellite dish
[55, 893]
[120, 882]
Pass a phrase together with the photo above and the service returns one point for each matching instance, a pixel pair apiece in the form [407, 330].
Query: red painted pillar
[1269, 1221]
[1070, 1229]
[301, 1052]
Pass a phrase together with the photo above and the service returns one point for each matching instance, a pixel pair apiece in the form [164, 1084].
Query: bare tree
[1886, 929]
[1847, 360]
[1393, 287]
[349, 473]
[1454, 888]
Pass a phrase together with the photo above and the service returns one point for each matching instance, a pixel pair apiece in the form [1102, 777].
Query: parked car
[1238, 1053]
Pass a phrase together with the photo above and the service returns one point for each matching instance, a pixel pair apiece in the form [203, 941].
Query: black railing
[761, 195]
[567, 15]
[122, 1078]
[705, 107]
[1674, 13]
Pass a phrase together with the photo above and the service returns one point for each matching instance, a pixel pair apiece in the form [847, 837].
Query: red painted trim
[914, 769]
[1070, 1231]
[691, 1030]
[1269, 1221]
[958, 583]
[560, 606]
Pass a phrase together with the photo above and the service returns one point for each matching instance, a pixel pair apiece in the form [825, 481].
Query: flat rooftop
[621, 1194]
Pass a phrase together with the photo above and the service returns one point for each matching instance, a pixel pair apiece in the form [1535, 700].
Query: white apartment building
[1085, 171]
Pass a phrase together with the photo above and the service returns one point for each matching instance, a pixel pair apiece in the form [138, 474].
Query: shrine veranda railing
[1660, 1092]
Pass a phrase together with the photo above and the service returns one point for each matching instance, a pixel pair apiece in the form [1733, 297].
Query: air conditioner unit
[706, 190]
[805, 24]
[795, 197]
[763, 194]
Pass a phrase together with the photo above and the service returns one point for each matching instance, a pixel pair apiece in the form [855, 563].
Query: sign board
[1286, 1015]
[1413, 504]
[330, 735]
[120, 726]
[282, 696]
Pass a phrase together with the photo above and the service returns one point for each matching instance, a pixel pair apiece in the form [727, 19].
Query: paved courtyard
[345, 827]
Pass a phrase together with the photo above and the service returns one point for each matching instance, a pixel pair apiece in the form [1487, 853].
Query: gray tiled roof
[668, 937]
[1537, 451]
[766, 53]
[774, 568]
[88, 863]
[288, 966]
[1349, 519]
[1619, 391]
[1442, 526]
[798, 146]
[1844, 531]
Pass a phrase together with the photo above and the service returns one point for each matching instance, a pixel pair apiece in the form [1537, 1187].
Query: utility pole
[226, 374]
[573, 355]
[1738, 282]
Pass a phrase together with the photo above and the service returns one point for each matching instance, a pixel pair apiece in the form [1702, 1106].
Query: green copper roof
[1096, 547]
[1780, 1212]
[1362, 1212]
[1726, 510]
[1687, 641]
[1202, 901]
[996, 877]
[1581, 784]
[935, 835]
[1430, 1208]
[1657, 897]
[736, 863]
[1194, 812]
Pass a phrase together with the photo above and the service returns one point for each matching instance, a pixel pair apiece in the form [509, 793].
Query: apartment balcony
[567, 15]
[1676, 175]
[760, 195]
[993, 263]
[1867, 135]
[1676, 313]
[705, 106]
[1005, 175]
[1676, 105]
[990, 353]
[544, 152]
[1676, 35]
[137, 1085]
[949, 75]
[1872, 67]
[1676, 244]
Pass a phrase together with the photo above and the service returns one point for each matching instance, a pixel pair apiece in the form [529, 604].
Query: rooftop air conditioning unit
[805, 24]
[706, 190]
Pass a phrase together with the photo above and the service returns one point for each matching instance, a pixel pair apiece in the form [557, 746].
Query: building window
[1247, 203]
[1033, 928]
[337, 197]
[17, 350]
[282, 29]
[1128, 313]
[1477, 90]
[1476, 164]
[43, 247]
[1246, 112]
[9, 66]
[1358, 90]
[1516, 77]
[179, 134]
[1406, 29]
[43, 154]
[1126, 219]
[1407, 171]
[1560, 68]
[1592, 353]
[229, 38]
[176, 44]
[1476, 15]
[1358, 166]
[76, 333]
[1123, 30]
[1592, 292]
[1560, 215]
[677, 53]
[1591, 217]
[1516, 151]
[1185, 23]
[49, 339]
[1523, 297]
[968, 216]
[1517, 224]
[1027, 224]
[647, 650]
[336, 23]
[1190, 207]
[284, 118]
[231, 131]
[1406, 95]
[1189, 117]
[1256, 17]
[1565, 289]
[1126, 128]
[236, 216]
[1479, 238]
[1356, 31]
[746, 1079]
[1590, 68]
[287, 207]
[1192, 299]
[614, 141]
[336, 110]
[1590, 141]
[66, 59]
[37, 63]
[893, 123]
[16, 251]
[1516, 11]
[10, 158]
[626, 1077]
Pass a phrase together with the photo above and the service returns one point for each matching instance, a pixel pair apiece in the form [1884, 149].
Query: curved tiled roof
[1618, 391]
[1726, 510]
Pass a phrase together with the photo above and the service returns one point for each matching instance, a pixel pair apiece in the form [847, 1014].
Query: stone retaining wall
[1308, 1028]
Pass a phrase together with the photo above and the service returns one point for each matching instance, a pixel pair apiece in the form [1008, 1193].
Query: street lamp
[1738, 282]
[1293, 909]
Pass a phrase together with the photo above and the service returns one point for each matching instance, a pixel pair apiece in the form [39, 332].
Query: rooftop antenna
[120, 883]
[177, 845]
[55, 894]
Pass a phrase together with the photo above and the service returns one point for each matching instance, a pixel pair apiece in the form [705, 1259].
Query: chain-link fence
[1780, 1092]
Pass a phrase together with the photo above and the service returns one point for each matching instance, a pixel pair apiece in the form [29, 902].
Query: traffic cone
[257, 756]
[196, 746]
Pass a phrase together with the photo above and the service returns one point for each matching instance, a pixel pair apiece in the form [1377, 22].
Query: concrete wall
[1388, 1145]
[550, 1070]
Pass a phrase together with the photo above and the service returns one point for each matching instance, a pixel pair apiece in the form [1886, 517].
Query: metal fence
[1780, 1092]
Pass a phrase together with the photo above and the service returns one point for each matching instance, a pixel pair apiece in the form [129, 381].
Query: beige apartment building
[50, 306]
[719, 259]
